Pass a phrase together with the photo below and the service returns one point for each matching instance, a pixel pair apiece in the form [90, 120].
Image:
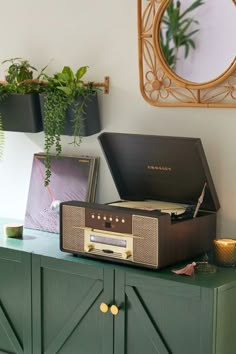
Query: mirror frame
[159, 85]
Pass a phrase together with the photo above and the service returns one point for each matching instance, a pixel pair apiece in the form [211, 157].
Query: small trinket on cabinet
[13, 230]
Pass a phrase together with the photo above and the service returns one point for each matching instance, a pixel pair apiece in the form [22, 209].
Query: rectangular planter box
[90, 123]
[21, 113]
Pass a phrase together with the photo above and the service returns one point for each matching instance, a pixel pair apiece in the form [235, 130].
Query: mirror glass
[197, 38]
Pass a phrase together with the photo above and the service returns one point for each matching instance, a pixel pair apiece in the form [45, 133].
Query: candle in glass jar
[225, 252]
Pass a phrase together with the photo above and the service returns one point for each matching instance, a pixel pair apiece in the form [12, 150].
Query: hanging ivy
[61, 93]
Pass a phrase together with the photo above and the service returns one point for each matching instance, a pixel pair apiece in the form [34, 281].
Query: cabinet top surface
[47, 244]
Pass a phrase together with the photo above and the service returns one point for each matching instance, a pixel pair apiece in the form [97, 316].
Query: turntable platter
[150, 205]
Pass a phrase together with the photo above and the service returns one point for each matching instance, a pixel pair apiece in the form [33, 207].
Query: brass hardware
[104, 307]
[105, 84]
[126, 254]
[89, 247]
[114, 310]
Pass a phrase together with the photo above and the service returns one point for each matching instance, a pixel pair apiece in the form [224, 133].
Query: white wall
[103, 35]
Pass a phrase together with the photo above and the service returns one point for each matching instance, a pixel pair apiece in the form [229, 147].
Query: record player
[167, 208]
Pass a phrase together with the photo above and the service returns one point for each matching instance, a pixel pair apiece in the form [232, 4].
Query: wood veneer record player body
[167, 208]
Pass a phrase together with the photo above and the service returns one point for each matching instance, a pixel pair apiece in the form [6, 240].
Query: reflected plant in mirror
[178, 31]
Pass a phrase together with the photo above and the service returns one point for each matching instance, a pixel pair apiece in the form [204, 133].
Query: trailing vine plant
[176, 31]
[64, 90]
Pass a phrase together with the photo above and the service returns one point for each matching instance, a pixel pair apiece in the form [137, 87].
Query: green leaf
[10, 60]
[81, 72]
[66, 90]
[191, 43]
[67, 71]
[58, 77]
[192, 7]
[192, 33]
[186, 50]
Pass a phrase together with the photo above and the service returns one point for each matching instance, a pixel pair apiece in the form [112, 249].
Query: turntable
[167, 208]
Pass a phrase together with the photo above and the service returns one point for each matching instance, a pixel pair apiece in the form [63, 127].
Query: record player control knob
[89, 247]
[126, 254]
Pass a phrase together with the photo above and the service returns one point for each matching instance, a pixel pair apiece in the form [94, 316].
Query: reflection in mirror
[177, 31]
[204, 73]
[191, 40]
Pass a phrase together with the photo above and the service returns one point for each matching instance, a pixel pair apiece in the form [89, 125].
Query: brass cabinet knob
[104, 307]
[114, 310]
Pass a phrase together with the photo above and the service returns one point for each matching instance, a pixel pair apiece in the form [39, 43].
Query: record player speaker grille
[72, 228]
[145, 245]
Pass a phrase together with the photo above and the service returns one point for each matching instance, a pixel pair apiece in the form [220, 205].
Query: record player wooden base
[52, 302]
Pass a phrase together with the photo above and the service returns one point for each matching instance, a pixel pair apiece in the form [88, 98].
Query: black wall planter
[21, 113]
[90, 123]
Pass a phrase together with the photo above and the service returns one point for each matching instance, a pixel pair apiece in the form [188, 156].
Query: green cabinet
[66, 297]
[50, 303]
[163, 317]
[156, 315]
[15, 302]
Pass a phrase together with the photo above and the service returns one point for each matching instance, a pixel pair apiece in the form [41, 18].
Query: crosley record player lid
[171, 169]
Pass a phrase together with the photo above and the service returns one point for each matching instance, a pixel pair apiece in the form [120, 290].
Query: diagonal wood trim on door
[78, 314]
[9, 330]
[146, 322]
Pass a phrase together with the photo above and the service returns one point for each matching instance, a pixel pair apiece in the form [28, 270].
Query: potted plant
[19, 101]
[69, 107]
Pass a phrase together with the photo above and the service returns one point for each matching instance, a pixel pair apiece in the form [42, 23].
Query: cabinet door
[162, 317]
[66, 299]
[226, 318]
[15, 302]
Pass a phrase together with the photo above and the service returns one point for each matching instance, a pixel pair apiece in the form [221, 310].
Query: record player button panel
[108, 221]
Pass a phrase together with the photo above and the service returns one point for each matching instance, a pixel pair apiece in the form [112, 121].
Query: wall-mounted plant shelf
[105, 84]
